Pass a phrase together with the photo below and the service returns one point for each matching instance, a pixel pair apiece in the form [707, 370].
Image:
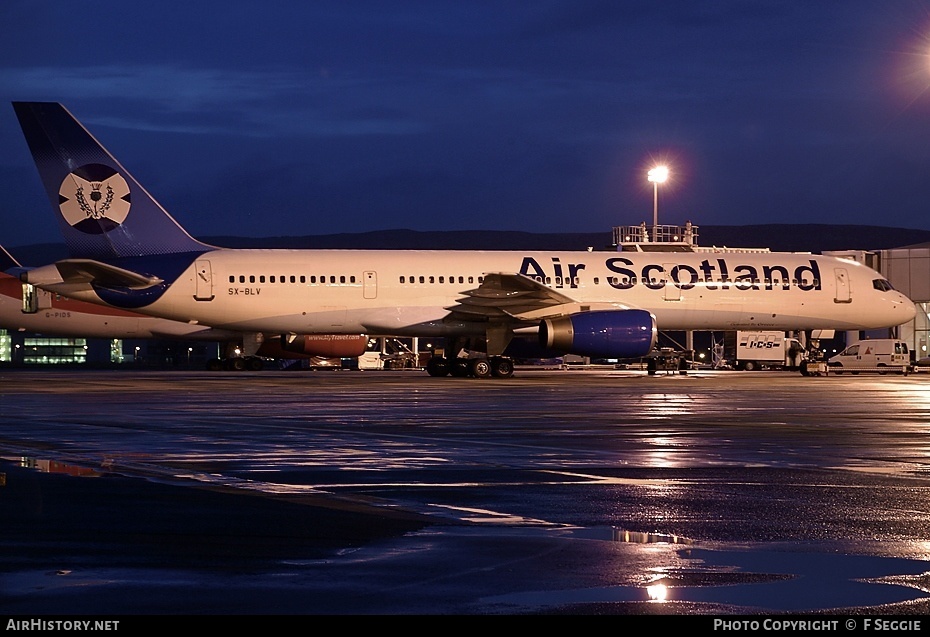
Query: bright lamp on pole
[657, 175]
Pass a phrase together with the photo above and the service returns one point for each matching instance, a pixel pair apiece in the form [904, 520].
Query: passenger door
[203, 285]
[842, 286]
[370, 284]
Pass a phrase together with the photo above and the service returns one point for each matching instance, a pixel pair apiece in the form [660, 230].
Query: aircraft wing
[509, 297]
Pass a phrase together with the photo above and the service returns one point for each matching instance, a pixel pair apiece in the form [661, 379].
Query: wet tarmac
[554, 492]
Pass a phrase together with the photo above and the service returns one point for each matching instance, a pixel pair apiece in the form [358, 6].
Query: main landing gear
[496, 366]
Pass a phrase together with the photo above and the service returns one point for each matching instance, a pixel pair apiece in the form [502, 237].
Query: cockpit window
[881, 284]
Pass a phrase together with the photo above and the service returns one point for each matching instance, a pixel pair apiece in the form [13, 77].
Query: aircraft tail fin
[103, 212]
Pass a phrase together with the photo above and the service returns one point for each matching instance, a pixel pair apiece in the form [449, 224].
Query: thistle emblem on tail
[94, 199]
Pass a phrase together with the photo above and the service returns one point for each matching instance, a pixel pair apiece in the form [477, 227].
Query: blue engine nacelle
[601, 334]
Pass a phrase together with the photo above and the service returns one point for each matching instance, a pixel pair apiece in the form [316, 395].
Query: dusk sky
[293, 118]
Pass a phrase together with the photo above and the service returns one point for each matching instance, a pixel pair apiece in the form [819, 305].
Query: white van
[872, 355]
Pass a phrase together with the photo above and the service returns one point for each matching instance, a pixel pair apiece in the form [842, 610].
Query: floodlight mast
[657, 175]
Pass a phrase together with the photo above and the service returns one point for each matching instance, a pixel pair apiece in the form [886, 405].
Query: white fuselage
[409, 293]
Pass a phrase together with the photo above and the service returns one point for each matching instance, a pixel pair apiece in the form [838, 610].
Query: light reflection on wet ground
[778, 582]
[709, 470]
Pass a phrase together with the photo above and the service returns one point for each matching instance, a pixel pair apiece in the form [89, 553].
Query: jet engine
[601, 333]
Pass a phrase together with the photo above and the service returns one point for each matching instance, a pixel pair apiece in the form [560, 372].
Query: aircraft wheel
[437, 366]
[235, 364]
[480, 368]
[501, 367]
[254, 364]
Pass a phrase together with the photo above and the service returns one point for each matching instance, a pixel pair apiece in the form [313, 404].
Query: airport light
[657, 175]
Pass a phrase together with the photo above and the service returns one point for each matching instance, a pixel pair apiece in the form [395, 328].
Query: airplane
[127, 252]
[24, 308]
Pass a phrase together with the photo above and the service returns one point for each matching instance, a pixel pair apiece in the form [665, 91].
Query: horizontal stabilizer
[77, 271]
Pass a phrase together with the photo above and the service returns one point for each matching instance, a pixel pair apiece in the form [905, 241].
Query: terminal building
[908, 270]
[26, 348]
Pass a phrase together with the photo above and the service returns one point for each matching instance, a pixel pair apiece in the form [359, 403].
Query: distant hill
[811, 237]
[777, 237]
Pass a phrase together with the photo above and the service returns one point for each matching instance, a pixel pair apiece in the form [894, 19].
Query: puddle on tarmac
[780, 579]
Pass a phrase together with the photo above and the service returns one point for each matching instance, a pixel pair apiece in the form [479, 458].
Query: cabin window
[471, 279]
[442, 279]
[251, 278]
[342, 279]
[303, 278]
[232, 278]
